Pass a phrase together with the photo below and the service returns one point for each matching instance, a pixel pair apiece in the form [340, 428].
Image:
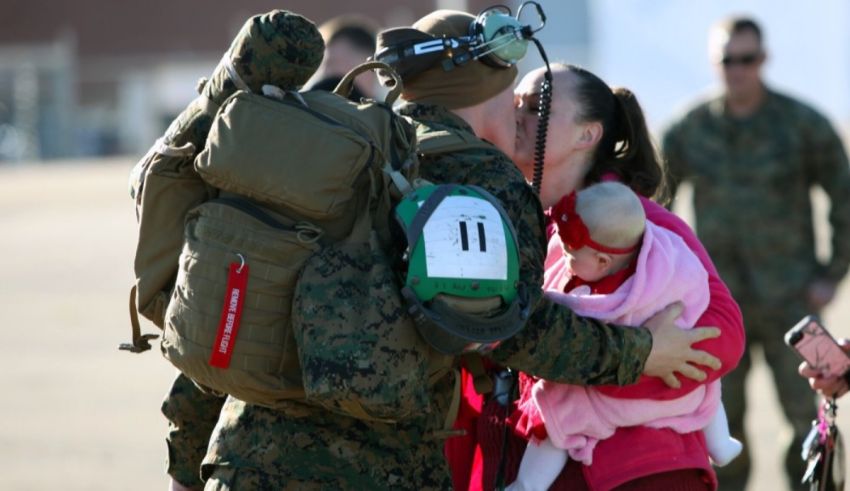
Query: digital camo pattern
[307, 447]
[360, 353]
[191, 416]
[278, 48]
[751, 183]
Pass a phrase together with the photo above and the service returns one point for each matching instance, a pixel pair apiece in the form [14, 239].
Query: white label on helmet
[465, 238]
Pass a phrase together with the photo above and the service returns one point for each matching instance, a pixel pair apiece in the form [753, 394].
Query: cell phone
[816, 346]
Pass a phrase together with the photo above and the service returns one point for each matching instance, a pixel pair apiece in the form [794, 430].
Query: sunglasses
[748, 59]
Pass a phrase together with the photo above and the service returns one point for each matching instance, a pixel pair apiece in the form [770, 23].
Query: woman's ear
[590, 135]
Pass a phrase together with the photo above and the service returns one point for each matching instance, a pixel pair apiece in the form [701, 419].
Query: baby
[608, 262]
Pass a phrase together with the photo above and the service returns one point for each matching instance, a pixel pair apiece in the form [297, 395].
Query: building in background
[99, 77]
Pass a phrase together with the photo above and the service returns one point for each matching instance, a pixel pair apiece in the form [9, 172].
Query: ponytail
[626, 148]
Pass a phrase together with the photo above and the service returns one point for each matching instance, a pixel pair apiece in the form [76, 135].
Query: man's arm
[556, 344]
[829, 168]
[673, 156]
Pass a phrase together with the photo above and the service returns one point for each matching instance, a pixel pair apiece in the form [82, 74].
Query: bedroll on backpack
[284, 289]
[278, 47]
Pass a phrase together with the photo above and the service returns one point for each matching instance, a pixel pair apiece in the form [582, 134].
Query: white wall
[658, 48]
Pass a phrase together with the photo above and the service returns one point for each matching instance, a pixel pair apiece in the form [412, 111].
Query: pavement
[77, 414]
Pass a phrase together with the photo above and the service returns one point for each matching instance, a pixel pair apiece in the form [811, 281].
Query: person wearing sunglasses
[752, 155]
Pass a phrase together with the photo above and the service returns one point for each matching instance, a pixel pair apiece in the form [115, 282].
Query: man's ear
[590, 135]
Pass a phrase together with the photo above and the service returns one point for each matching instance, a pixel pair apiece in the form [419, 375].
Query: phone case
[816, 346]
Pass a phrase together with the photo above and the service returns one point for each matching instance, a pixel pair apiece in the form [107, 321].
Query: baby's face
[584, 263]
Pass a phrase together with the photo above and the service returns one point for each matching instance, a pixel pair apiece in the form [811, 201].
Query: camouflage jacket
[751, 181]
[308, 445]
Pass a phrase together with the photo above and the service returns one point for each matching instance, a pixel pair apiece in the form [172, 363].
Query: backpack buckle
[139, 345]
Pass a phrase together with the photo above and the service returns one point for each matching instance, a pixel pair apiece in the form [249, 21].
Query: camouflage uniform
[751, 181]
[305, 447]
[191, 417]
[280, 48]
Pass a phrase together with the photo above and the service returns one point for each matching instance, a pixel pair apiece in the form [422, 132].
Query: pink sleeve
[722, 312]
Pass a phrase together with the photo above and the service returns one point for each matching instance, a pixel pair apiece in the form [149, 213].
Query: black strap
[414, 230]
[503, 458]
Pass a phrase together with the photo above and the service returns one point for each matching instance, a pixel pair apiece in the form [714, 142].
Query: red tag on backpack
[231, 314]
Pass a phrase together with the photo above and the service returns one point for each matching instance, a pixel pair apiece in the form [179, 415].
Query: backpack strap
[346, 85]
[481, 379]
[448, 430]
[163, 145]
[444, 141]
[140, 342]
[208, 106]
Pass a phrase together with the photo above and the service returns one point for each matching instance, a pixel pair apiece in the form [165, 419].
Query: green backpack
[283, 280]
[278, 47]
[285, 288]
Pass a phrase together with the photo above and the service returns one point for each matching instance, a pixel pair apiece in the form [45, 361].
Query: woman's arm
[722, 312]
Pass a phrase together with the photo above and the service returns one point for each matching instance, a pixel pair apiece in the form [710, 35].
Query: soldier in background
[349, 41]
[753, 155]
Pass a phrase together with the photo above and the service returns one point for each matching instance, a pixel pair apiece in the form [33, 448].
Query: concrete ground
[77, 414]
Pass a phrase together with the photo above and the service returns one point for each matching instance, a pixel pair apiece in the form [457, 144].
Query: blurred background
[87, 86]
[92, 77]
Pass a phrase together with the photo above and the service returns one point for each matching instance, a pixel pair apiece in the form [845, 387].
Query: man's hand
[834, 386]
[671, 348]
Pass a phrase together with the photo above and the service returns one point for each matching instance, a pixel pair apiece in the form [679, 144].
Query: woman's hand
[671, 348]
[834, 386]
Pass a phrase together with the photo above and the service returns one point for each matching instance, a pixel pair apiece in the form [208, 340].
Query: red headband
[573, 231]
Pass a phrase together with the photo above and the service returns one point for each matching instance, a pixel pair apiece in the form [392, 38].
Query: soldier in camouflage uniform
[752, 155]
[306, 447]
[279, 48]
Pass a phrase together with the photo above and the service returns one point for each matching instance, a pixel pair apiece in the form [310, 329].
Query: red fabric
[636, 458]
[573, 231]
[639, 451]
[231, 315]
[527, 422]
[461, 450]
[608, 284]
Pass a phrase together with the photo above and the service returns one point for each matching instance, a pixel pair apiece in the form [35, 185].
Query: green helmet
[462, 282]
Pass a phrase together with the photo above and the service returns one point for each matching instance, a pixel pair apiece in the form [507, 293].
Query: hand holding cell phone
[816, 346]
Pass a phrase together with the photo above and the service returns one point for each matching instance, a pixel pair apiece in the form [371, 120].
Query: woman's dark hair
[626, 148]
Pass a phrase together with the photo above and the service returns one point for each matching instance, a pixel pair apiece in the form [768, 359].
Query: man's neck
[472, 116]
[744, 105]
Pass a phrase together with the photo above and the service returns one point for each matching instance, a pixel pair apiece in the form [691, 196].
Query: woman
[598, 134]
